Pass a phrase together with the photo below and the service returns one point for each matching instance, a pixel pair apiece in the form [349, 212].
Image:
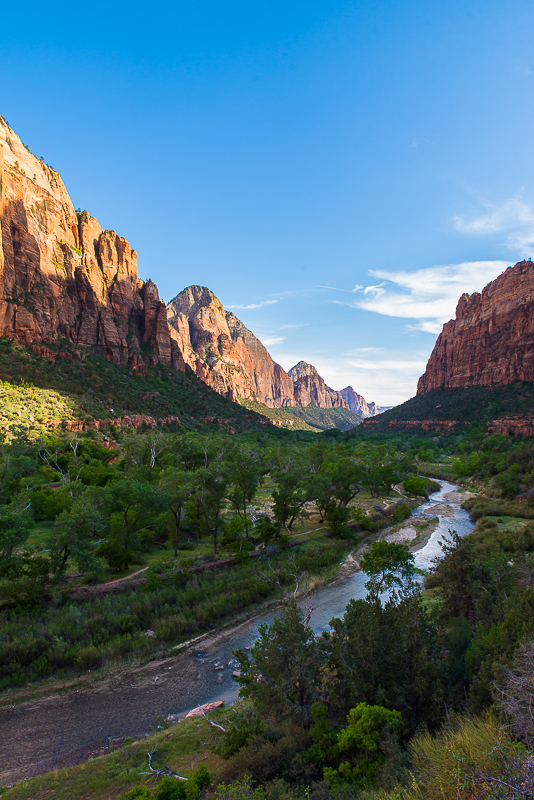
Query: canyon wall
[492, 338]
[229, 358]
[62, 276]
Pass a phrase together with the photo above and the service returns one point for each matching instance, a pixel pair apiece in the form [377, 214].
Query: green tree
[389, 565]
[176, 487]
[133, 520]
[14, 531]
[74, 535]
[246, 471]
[290, 490]
[283, 675]
[363, 741]
[210, 493]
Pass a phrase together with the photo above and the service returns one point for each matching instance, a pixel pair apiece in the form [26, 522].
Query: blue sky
[336, 172]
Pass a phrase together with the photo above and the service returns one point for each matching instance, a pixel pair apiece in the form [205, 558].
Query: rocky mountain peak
[302, 369]
[359, 405]
[192, 299]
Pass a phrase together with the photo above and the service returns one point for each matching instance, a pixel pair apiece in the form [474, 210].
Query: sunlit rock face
[491, 340]
[62, 276]
[223, 352]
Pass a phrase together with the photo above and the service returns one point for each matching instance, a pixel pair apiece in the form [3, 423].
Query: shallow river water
[38, 736]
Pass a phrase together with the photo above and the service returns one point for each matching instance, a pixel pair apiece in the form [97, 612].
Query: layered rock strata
[63, 276]
[310, 388]
[131, 421]
[491, 340]
[512, 425]
[425, 424]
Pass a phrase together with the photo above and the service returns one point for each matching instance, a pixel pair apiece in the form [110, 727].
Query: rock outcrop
[310, 388]
[425, 424]
[63, 277]
[229, 358]
[512, 425]
[131, 421]
[492, 338]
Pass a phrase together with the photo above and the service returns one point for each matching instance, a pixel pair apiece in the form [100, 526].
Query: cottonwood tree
[176, 487]
[134, 506]
[246, 471]
[210, 493]
[75, 534]
[389, 565]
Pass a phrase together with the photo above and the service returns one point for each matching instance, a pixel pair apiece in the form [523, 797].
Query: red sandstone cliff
[223, 352]
[62, 276]
[492, 338]
[310, 388]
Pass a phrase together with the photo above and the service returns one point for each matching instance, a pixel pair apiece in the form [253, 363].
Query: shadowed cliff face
[492, 338]
[62, 276]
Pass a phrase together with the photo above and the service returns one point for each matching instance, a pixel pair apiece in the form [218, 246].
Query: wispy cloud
[514, 218]
[363, 350]
[269, 341]
[255, 305]
[428, 296]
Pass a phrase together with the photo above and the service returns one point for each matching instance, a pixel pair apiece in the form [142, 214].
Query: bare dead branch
[211, 722]
[163, 772]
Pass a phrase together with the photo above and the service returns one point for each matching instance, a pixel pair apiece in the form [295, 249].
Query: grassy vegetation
[65, 638]
[38, 392]
[280, 416]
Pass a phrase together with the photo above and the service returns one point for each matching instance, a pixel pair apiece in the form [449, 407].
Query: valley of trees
[422, 692]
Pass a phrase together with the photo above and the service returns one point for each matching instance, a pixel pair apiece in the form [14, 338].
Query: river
[58, 731]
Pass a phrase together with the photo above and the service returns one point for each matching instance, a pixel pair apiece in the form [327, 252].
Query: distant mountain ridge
[310, 389]
[232, 360]
[359, 405]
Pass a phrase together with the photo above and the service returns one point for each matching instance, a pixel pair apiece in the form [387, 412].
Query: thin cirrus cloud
[428, 296]
[255, 305]
[270, 341]
[513, 218]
